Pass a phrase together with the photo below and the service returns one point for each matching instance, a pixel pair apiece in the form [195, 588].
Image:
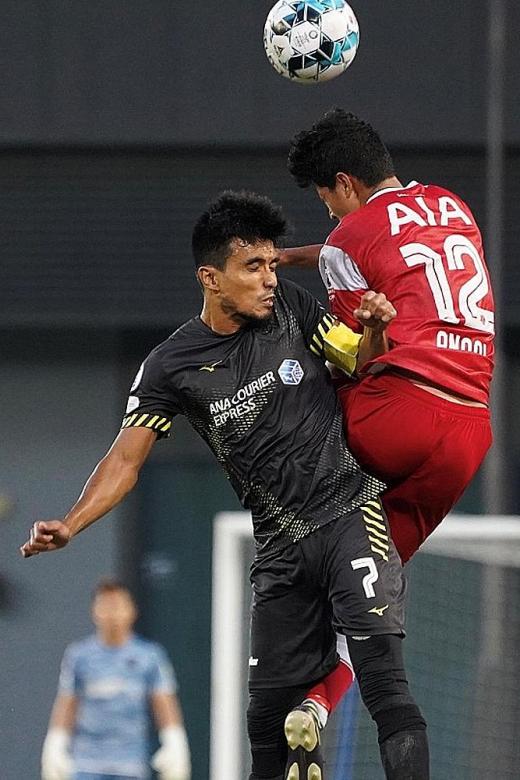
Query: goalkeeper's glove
[172, 760]
[56, 760]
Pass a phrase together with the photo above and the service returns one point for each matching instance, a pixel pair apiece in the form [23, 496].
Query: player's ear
[345, 183]
[208, 278]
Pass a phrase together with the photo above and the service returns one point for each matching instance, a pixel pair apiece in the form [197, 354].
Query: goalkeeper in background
[99, 723]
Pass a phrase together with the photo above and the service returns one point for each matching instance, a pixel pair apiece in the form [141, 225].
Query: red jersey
[419, 245]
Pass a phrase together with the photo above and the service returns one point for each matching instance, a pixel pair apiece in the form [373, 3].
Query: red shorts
[426, 448]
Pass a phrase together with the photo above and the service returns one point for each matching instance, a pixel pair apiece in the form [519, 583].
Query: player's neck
[218, 321]
[115, 638]
[392, 181]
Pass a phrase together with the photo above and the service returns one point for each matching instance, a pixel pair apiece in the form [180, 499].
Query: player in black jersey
[249, 373]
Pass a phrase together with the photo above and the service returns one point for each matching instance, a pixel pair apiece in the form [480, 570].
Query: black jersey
[263, 400]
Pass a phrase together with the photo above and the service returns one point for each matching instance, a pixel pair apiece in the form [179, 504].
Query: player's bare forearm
[372, 345]
[109, 483]
[166, 710]
[63, 714]
[375, 312]
[112, 479]
[302, 256]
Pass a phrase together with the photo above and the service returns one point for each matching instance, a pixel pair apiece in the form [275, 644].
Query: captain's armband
[156, 422]
[336, 343]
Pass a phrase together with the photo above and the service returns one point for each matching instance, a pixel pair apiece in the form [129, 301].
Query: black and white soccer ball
[311, 41]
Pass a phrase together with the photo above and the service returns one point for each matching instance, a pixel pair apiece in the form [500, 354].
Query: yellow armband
[341, 347]
[335, 342]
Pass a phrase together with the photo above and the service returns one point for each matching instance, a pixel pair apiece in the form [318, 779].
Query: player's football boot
[302, 732]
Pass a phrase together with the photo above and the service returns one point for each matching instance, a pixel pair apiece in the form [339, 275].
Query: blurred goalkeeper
[108, 683]
[250, 375]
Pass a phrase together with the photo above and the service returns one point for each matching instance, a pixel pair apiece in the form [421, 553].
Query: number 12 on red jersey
[458, 250]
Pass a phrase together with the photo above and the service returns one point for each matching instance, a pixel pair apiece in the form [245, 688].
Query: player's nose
[270, 280]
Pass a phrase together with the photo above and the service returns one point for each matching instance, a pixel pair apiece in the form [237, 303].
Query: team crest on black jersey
[290, 372]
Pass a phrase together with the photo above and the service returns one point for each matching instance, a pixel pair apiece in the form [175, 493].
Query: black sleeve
[312, 317]
[151, 403]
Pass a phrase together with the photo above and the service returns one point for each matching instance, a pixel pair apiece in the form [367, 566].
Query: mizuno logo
[210, 368]
[379, 610]
[253, 661]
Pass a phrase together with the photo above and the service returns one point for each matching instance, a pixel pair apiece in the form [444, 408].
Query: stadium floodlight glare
[461, 650]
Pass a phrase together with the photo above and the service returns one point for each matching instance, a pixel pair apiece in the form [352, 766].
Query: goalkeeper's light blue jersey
[113, 686]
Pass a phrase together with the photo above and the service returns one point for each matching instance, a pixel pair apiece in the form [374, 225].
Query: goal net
[462, 655]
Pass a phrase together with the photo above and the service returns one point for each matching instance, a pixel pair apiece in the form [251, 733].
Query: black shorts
[346, 577]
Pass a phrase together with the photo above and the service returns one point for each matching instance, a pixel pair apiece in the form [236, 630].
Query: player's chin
[258, 316]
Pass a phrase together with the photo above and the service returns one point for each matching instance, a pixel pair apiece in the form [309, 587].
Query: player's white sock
[321, 712]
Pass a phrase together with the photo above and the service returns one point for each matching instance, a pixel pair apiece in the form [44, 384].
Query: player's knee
[267, 757]
[266, 714]
[265, 718]
[379, 667]
[266, 762]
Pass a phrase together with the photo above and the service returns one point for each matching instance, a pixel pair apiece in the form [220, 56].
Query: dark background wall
[118, 121]
[112, 71]
[102, 237]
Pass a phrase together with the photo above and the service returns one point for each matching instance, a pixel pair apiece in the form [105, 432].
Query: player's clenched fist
[46, 535]
[375, 311]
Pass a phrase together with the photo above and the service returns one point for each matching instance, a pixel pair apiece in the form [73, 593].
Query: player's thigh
[416, 505]
[394, 428]
[389, 432]
[292, 641]
[364, 575]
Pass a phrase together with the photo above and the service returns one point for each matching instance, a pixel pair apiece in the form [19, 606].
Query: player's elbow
[129, 478]
[118, 474]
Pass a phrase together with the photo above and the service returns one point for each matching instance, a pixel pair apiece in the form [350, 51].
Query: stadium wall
[102, 238]
[166, 82]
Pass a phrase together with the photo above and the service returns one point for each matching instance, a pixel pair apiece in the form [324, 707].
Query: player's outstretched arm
[114, 477]
[303, 256]
[375, 313]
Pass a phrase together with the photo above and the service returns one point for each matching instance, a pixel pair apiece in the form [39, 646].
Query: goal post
[464, 669]
[231, 533]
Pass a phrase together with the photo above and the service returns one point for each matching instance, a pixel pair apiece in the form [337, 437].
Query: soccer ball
[310, 41]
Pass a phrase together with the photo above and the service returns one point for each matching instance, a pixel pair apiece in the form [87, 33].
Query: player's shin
[378, 663]
[405, 756]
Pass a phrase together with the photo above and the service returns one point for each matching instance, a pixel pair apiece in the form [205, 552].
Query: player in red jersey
[419, 416]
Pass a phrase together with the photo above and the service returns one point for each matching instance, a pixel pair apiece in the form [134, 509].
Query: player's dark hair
[339, 142]
[107, 585]
[242, 215]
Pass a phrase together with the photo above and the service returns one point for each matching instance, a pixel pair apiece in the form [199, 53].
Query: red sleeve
[343, 303]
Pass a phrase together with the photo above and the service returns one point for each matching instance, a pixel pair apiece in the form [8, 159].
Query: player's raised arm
[375, 313]
[114, 477]
[347, 350]
[332, 340]
[302, 256]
